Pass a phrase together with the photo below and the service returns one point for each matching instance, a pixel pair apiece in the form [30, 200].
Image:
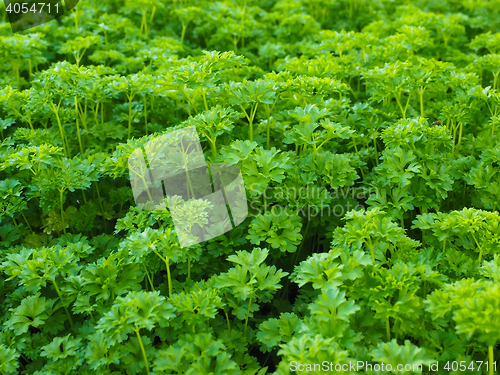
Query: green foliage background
[397, 98]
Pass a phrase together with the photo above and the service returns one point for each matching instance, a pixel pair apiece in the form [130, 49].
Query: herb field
[367, 134]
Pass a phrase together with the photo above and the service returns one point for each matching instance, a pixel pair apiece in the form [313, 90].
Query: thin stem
[375, 147]
[228, 325]
[268, 124]
[152, 14]
[490, 355]
[297, 254]
[15, 224]
[149, 277]
[168, 277]
[399, 104]
[211, 141]
[129, 115]
[408, 102]
[144, 182]
[248, 314]
[184, 27]
[461, 126]
[388, 329]
[205, 100]
[142, 349]
[144, 23]
[187, 171]
[357, 153]
[145, 101]
[27, 223]
[85, 115]
[251, 120]
[61, 192]
[421, 91]
[479, 246]
[101, 205]
[61, 130]
[78, 128]
[62, 301]
[371, 247]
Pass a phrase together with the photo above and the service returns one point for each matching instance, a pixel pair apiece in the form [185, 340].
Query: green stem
[84, 112]
[153, 11]
[495, 79]
[142, 349]
[190, 186]
[16, 73]
[149, 277]
[408, 102]
[370, 245]
[129, 115]
[490, 355]
[375, 147]
[145, 101]
[454, 137]
[479, 246]
[252, 118]
[388, 329]
[248, 314]
[228, 325]
[205, 100]
[144, 23]
[27, 223]
[101, 205]
[268, 131]
[184, 27]
[421, 94]
[461, 126]
[78, 128]
[400, 106]
[61, 192]
[141, 176]
[61, 130]
[297, 254]
[62, 301]
[211, 142]
[268, 127]
[168, 277]
[357, 153]
[15, 224]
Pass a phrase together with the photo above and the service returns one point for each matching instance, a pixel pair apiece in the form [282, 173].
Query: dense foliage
[367, 134]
